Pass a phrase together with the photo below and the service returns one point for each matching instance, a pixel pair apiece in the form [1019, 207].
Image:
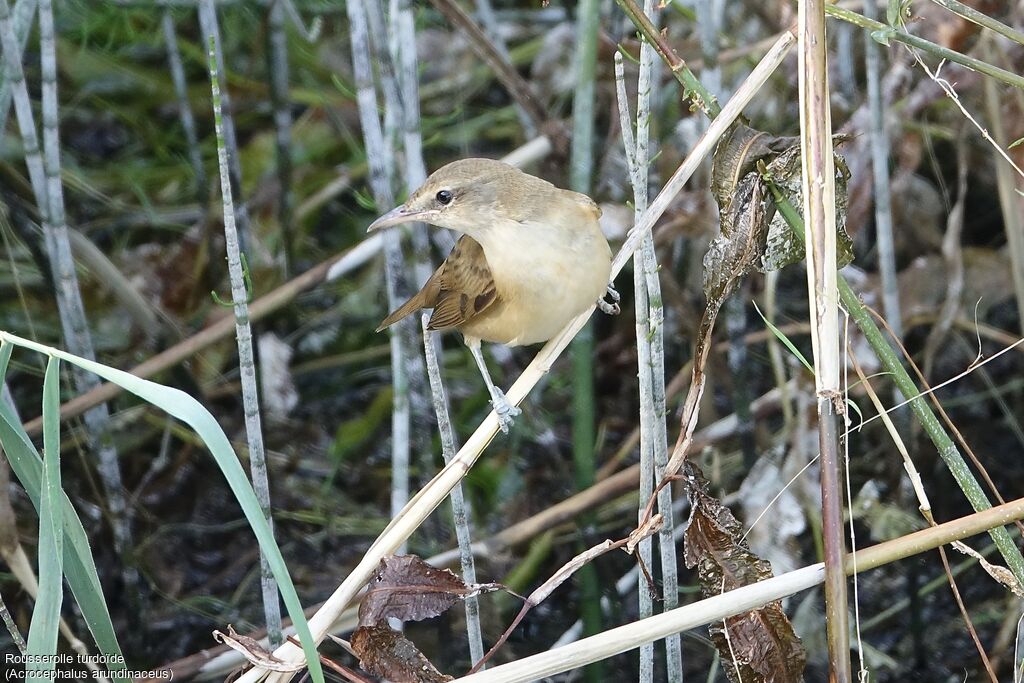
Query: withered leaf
[761, 642]
[385, 652]
[783, 247]
[737, 154]
[763, 646]
[253, 651]
[737, 248]
[754, 234]
[408, 589]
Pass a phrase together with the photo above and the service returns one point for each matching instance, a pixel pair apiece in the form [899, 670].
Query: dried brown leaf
[759, 645]
[385, 652]
[737, 248]
[753, 234]
[408, 589]
[1000, 574]
[256, 654]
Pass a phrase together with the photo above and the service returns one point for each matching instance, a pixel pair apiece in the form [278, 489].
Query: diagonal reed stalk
[740, 600]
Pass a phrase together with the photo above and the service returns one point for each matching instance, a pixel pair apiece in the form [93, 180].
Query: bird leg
[505, 410]
[613, 307]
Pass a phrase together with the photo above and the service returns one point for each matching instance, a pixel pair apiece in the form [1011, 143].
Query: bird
[531, 257]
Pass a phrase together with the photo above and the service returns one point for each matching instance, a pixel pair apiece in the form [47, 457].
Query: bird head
[469, 195]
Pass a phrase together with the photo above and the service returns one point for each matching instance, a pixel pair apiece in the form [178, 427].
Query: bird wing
[459, 290]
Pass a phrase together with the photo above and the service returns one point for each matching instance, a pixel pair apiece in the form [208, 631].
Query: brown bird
[531, 258]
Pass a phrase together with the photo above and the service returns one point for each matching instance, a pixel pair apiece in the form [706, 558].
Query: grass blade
[781, 336]
[42, 633]
[79, 567]
[185, 408]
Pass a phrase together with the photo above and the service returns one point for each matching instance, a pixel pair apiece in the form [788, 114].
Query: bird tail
[410, 306]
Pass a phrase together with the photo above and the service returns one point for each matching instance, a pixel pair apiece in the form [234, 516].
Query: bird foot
[504, 409]
[611, 308]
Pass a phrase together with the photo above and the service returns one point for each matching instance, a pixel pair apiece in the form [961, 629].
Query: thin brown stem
[517, 86]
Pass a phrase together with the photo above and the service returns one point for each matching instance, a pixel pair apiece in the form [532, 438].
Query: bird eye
[444, 197]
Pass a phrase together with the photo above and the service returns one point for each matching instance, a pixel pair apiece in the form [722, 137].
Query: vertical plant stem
[880, 173]
[460, 508]
[246, 361]
[485, 10]
[779, 373]
[44, 175]
[645, 599]
[847, 66]
[403, 34]
[382, 41]
[209, 26]
[650, 348]
[381, 162]
[24, 10]
[277, 39]
[820, 240]
[581, 170]
[735, 309]
[891, 364]
[188, 122]
[392, 42]
[707, 31]
[14, 75]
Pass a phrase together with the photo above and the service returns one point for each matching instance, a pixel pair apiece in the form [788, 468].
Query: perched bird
[531, 258]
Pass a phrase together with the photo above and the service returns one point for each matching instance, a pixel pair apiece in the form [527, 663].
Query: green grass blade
[42, 632]
[5, 358]
[79, 568]
[185, 408]
[781, 336]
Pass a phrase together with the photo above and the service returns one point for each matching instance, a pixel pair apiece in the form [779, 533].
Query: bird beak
[397, 216]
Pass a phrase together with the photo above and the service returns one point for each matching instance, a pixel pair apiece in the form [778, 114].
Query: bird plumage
[531, 258]
[459, 290]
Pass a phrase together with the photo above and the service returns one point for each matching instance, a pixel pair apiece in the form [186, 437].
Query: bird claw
[611, 308]
[505, 411]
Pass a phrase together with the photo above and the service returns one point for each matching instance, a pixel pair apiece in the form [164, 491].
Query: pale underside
[524, 294]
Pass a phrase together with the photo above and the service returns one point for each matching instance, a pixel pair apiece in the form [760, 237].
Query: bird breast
[545, 276]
